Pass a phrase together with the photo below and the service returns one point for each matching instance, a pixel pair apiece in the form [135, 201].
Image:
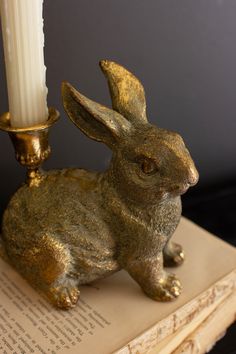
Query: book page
[28, 324]
[110, 313]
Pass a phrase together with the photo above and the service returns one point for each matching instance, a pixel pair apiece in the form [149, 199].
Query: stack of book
[114, 316]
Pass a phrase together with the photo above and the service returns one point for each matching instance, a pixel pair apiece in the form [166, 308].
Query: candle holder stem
[31, 145]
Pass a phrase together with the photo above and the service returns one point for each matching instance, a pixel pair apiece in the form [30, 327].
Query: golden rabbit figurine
[77, 226]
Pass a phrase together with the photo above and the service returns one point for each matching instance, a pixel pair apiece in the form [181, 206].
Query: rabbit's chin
[183, 189]
[179, 190]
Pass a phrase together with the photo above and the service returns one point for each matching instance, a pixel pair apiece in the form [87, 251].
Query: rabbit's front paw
[173, 255]
[64, 297]
[166, 289]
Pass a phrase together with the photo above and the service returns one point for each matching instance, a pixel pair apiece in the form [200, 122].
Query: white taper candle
[23, 38]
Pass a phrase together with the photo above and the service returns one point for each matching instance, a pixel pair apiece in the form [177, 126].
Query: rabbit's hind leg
[48, 267]
[173, 254]
[63, 293]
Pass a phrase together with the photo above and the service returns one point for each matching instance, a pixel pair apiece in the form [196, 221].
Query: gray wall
[183, 51]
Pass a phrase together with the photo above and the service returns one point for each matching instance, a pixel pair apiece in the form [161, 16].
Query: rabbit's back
[72, 214]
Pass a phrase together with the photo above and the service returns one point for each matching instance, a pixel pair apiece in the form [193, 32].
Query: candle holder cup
[31, 145]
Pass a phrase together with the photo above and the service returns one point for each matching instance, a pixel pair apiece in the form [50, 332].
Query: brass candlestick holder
[66, 228]
[31, 144]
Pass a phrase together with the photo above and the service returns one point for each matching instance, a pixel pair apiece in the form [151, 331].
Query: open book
[113, 315]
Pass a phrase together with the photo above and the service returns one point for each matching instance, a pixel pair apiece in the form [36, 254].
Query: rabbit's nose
[193, 176]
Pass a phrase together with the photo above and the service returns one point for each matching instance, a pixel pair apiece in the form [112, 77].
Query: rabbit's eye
[149, 167]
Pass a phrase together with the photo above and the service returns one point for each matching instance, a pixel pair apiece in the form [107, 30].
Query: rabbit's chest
[165, 219]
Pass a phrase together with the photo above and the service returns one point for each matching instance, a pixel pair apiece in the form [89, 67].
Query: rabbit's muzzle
[191, 180]
[193, 176]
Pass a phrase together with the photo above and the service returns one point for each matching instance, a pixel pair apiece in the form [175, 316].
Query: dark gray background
[184, 52]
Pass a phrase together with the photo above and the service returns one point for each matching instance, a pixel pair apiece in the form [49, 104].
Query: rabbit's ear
[96, 121]
[127, 92]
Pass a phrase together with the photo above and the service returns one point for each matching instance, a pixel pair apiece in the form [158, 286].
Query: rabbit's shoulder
[143, 224]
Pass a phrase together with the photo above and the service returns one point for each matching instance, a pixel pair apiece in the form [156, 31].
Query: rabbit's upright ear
[96, 121]
[127, 92]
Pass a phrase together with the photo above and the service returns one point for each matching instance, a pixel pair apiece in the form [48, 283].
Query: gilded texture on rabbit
[79, 226]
